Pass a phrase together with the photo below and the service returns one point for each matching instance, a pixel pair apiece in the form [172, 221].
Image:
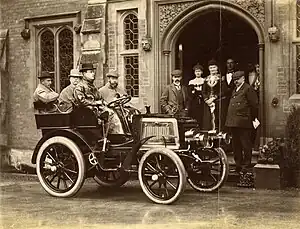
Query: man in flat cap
[44, 97]
[111, 90]
[174, 99]
[242, 111]
[66, 98]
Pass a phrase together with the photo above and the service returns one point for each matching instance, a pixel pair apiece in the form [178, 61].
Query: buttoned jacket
[243, 107]
[86, 93]
[169, 101]
[108, 94]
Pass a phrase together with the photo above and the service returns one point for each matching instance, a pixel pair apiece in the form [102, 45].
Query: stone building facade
[144, 40]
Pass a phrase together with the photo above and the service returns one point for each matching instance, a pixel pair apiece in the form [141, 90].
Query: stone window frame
[40, 23]
[295, 73]
[129, 52]
[56, 32]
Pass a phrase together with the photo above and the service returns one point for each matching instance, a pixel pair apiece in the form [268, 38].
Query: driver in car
[87, 95]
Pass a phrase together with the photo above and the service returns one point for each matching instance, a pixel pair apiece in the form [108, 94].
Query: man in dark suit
[174, 99]
[242, 111]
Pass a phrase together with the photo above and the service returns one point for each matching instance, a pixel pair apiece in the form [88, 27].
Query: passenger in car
[87, 95]
[66, 98]
[44, 97]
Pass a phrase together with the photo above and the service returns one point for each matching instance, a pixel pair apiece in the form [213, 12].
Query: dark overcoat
[243, 107]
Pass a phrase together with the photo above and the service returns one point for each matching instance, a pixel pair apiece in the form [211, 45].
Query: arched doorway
[215, 35]
[167, 43]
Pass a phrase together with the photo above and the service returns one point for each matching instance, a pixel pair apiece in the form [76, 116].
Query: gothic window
[131, 32]
[132, 75]
[298, 69]
[56, 53]
[298, 18]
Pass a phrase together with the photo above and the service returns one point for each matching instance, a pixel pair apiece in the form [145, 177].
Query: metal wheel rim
[160, 176]
[217, 161]
[59, 157]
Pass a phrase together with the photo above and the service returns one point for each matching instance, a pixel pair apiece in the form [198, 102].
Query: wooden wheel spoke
[166, 189]
[68, 177]
[151, 167]
[69, 170]
[54, 175]
[153, 183]
[171, 184]
[58, 182]
[51, 157]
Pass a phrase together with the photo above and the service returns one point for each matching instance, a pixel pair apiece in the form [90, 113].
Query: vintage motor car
[165, 151]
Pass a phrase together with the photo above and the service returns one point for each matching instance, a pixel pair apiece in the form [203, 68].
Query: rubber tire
[223, 178]
[80, 160]
[181, 170]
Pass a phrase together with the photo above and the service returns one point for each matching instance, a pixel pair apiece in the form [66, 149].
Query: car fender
[71, 134]
[135, 149]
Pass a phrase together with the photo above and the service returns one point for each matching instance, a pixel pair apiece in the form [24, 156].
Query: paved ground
[24, 204]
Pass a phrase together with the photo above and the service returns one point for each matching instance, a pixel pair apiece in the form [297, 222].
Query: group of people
[81, 92]
[226, 103]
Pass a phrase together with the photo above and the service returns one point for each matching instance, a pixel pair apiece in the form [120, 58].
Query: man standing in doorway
[242, 111]
[174, 99]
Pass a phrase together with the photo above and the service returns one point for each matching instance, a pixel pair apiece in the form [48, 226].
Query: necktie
[229, 77]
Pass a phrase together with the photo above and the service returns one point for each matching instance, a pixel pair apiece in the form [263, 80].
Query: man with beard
[174, 99]
[66, 98]
[111, 90]
[242, 111]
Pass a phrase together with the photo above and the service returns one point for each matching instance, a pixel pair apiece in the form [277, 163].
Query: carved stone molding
[168, 12]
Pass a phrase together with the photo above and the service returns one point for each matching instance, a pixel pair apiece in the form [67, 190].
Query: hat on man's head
[237, 75]
[212, 62]
[46, 74]
[198, 66]
[75, 73]
[112, 74]
[176, 72]
[87, 66]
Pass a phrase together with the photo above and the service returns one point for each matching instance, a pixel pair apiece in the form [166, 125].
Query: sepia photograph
[129, 114]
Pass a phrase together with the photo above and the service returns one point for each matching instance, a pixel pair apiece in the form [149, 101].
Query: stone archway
[173, 17]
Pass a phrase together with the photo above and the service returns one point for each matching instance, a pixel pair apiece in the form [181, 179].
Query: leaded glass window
[65, 56]
[298, 69]
[47, 51]
[131, 32]
[132, 75]
[56, 54]
[298, 18]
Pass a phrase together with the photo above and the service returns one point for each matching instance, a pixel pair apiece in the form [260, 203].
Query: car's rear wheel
[60, 167]
[211, 172]
[162, 175]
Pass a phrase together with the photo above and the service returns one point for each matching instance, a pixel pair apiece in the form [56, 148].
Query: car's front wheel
[60, 167]
[162, 175]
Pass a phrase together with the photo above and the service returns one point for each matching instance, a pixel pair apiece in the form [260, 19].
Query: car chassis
[165, 151]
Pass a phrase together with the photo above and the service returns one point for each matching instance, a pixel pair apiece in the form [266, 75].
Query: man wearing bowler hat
[66, 98]
[242, 111]
[87, 95]
[44, 96]
[174, 99]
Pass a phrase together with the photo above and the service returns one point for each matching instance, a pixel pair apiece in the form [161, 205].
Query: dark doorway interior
[218, 36]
